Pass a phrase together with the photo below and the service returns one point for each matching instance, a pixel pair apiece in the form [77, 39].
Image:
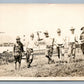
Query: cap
[72, 28]
[46, 32]
[32, 35]
[82, 28]
[17, 38]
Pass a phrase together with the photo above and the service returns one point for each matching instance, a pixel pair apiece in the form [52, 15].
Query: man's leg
[74, 52]
[31, 60]
[19, 65]
[69, 50]
[48, 59]
[63, 51]
[52, 61]
[62, 54]
[19, 60]
[58, 49]
[28, 60]
[47, 54]
[6, 60]
[15, 63]
[82, 48]
[27, 57]
[50, 54]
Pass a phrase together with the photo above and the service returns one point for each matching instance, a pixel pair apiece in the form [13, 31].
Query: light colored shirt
[59, 39]
[48, 41]
[31, 44]
[72, 38]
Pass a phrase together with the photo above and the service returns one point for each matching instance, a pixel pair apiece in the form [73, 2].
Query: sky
[23, 19]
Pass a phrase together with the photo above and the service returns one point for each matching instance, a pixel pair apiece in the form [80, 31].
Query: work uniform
[29, 49]
[59, 41]
[49, 48]
[72, 46]
[18, 49]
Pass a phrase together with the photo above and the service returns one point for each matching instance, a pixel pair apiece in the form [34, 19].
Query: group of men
[59, 42]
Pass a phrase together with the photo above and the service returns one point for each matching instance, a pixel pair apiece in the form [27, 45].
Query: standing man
[49, 50]
[82, 40]
[29, 49]
[17, 50]
[72, 46]
[59, 41]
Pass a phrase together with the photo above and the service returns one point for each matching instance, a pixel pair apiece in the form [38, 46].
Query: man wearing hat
[72, 47]
[49, 47]
[31, 44]
[82, 39]
[59, 41]
[17, 50]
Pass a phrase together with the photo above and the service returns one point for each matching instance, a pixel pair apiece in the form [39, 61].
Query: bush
[6, 56]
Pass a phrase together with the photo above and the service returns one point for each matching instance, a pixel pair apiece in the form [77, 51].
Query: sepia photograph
[41, 42]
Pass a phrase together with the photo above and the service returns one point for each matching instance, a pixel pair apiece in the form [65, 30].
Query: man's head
[46, 34]
[59, 31]
[72, 30]
[82, 29]
[32, 36]
[17, 39]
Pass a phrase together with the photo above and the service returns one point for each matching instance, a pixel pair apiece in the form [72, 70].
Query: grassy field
[40, 67]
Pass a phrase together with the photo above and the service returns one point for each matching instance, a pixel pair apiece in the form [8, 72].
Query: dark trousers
[72, 49]
[82, 47]
[49, 53]
[29, 57]
[60, 50]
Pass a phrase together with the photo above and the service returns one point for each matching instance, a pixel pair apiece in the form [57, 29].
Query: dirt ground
[40, 67]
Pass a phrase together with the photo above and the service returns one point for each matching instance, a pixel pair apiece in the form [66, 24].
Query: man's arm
[80, 37]
[13, 48]
[22, 49]
[36, 42]
[76, 39]
[64, 41]
[55, 42]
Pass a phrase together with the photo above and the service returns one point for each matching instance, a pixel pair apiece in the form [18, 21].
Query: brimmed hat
[17, 38]
[46, 32]
[32, 35]
[82, 28]
[72, 28]
[58, 30]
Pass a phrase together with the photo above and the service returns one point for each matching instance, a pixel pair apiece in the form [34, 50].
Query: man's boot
[52, 61]
[19, 66]
[28, 66]
[48, 61]
[15, 66]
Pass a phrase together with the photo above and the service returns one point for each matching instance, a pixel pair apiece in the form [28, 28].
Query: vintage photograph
[42, 41]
